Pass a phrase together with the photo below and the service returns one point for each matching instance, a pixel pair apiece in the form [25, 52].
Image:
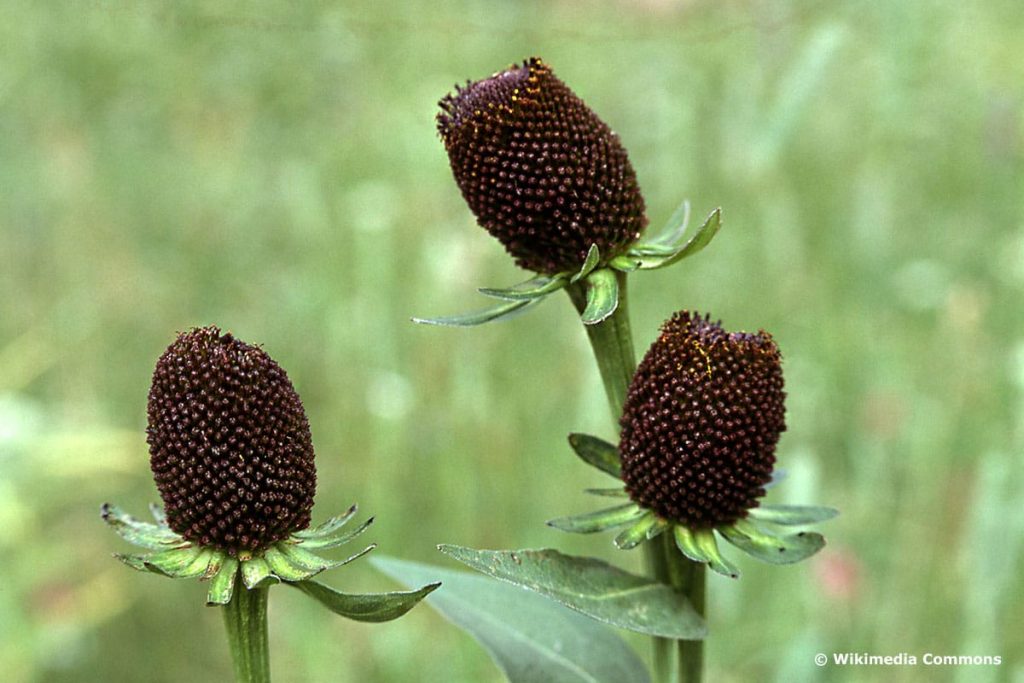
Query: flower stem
[612, 343]
[245, 618]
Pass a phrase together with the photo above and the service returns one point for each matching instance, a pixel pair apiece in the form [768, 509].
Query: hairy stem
[245, 618]
[612, 343]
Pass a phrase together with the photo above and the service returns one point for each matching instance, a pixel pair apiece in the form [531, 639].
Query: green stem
[245, 618]
[612, 343]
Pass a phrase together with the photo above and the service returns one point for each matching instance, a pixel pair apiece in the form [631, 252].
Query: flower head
[701, 421]
[540, 170]
[230, 446]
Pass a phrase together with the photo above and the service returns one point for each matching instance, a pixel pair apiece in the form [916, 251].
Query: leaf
[767, 547]
[701, 239]
[369, 607]
[256, 572]
[534, 288]
[502, 312]
[637, 532]
[530, 638]
[330, 526]
[592, 587]
[589, 263]
[325, 541]
[671, 234]
[608, 493]
[598, 453]
[793, 515]
[173, 562]
[136, 532]
[625, 264]
[592, 522]
[602, 296]
[700, 546]
[222, 586]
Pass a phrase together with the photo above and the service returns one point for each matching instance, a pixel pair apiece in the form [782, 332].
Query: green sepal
[597, 453]
[137, 532]
[608, 493]
[328, 527]
[158, 514]
[369, 607]
[637, 533]
[136, 562]
[700, 239]
[765, 546]
[534, 288]
[700, 546]
[222, 585]
[602, 296]
[669, 238]
[589, 263]
[501, 312]
[324, 541]
[256, 573]
[185, 563]
[592, 522]
[792, 515]
[625, 264]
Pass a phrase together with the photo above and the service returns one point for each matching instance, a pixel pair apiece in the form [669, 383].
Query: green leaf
[534, 288]
[671, 234]
[325, 541]
[626, 264]
[136, 532]
[256, 572]
[608, 493]
[222, 586]
[158, 514]
[700, 546]
[793, 515]
[598, 453]
[767, 547]
[601, 520]
[589, 263]
[371, 607]
[636, 533]
[136, 562]
[592, 587]
[701, 239]
[602, 296]
[502, 312]
[530, 638]
[330, 526]
[173, 562]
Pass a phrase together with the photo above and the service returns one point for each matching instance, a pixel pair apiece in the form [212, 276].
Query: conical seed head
[539, 169]
[229, 442]
[701, 421]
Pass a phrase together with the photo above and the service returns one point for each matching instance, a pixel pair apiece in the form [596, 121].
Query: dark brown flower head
[540, 170]
[229, 444]
[701, 421]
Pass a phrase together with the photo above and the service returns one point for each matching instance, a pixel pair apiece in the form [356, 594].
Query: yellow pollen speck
[707, 358]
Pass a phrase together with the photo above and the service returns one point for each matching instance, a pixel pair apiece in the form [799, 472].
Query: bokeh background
[272, 167]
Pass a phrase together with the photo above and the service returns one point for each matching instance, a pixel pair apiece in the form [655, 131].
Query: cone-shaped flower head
[229, 444]
[540, 170]
[701, 421]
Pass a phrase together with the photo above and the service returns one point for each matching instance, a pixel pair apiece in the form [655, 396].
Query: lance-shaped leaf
[136, 532]
[222, 585]
[330, 526]
[793, 515]
[528, 636]
[589, 263]
[502, 312]
[626, 264]
[256, 572]
[608, 493]
[592, 587]
[534, 288]
[700, 546]
[592, 522]
[701, 239]
[668, 240]
[173, 562]
[639, 531]
[767, 547]
[370, 607]
[598, 453]
[325, 541]
[602, 296]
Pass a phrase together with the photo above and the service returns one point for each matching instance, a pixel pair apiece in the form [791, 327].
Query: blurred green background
[272, 167]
